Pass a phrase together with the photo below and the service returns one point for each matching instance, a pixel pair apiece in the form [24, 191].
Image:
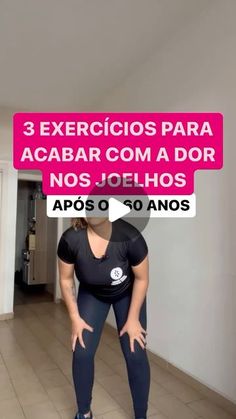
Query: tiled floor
[36, 383]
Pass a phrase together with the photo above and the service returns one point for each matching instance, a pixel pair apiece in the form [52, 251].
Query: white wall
[7, 235]
[192, 292]
[8, 199]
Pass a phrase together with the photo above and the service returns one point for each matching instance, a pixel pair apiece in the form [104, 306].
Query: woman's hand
[135, 332]
[78, 325]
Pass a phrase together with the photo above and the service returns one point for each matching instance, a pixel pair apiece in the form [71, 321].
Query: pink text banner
[157, 153]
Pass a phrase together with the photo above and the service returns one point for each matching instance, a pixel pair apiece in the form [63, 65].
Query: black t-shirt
[110, 276]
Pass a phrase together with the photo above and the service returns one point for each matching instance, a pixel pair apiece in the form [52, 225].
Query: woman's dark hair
[78, 223]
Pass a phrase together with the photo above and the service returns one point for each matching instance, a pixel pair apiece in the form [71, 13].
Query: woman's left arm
[133, 326]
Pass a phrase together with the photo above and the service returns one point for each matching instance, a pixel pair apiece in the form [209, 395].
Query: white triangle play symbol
[117, 209]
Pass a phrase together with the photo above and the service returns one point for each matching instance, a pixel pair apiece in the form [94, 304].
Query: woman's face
[95, 221]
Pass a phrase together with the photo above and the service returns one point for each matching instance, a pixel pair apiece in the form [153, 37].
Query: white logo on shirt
[117, 276]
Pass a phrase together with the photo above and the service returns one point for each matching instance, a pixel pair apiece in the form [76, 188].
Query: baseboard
[6, 316]
[207, 392]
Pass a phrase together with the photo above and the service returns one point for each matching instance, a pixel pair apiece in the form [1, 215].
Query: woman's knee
[83, 354]
[136, 358]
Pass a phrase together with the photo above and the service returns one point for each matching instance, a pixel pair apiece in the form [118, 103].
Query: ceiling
[64, 55]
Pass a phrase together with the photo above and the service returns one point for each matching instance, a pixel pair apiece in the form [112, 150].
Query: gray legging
[94, 312]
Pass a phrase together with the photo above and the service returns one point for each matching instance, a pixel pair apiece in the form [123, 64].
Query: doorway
[35, 248]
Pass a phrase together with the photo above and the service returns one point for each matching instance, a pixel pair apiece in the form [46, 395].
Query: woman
[111, 263]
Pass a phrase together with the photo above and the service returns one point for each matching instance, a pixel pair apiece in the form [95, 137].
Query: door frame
[38, 177]
[8, 214]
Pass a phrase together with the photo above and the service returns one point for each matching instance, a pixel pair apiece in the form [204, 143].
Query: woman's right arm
[67, 284]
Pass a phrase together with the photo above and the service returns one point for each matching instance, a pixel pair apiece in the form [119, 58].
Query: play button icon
[121, 205]
[117, 210]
